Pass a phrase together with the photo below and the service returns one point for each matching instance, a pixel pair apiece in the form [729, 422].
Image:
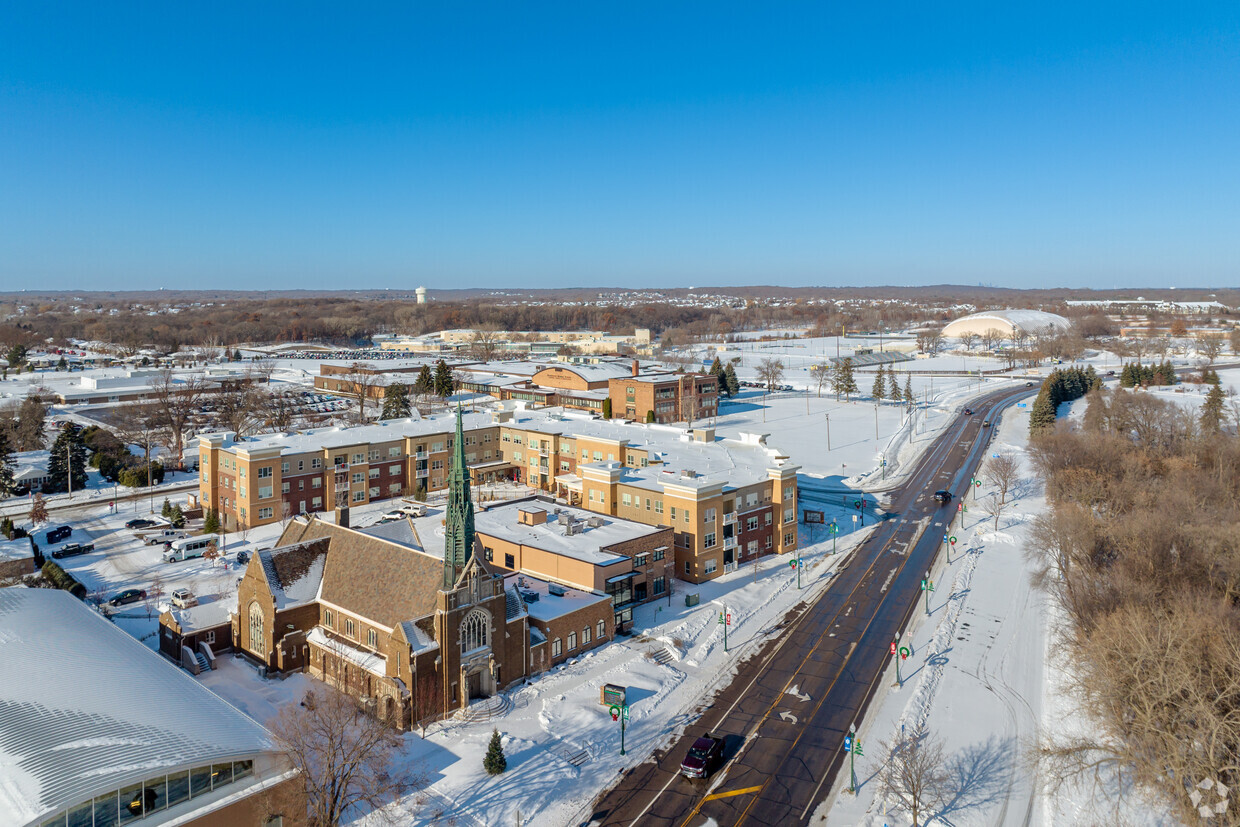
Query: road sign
[626, 712]
[814, 517]
[847, 743]
[1020, 404]
[833, 528]
[792, 563]
[613, 694]
[854, 518]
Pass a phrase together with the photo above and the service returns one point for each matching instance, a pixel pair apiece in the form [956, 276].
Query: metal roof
[85, 708]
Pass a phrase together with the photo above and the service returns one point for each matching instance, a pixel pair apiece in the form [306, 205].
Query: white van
[187, 548]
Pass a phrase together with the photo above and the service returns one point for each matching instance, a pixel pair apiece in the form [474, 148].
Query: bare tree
[929, 341]
[139, 423]
[992, 506]
[1004, 472]
[969, 339]
[1210, 345]
[176, 400]
[239, 409]
[821, 374]
[361, 379]
[278, 411]
[990, 337]
[348, 760]
[915, 775]
[770, 371]
[212, 553]
[486, 342]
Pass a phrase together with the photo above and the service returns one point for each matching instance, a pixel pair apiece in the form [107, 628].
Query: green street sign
[626, 712]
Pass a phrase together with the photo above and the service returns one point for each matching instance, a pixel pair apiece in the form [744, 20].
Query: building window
[509, 561]
[211, 636]
[709, 540]
[572, 641]
[768, 518]
[264, 513]
[658, 554]
[316, 482]
[374, 473]
[257, 644]
[658, 506]
[316, 462]
[349, 628]
[372, 638]
[556, 648]
[474, 631]
[284, 467]
[329, 618]
[751, 523]
[264, 472]
[374, 492]
[393, 470]
[626, 499]
[673, 513]
[285, 487]
[602, 630]
[316, 503]
[359, 496]
[686, 567]
[708, 516]
[641, 560]
[585, 636]
[788, 538]
[660, 585]
[711, 565]
[358, 459]
[789, 514]
[358, 476]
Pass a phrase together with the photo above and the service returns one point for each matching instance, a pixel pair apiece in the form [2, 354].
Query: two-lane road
[785, 714]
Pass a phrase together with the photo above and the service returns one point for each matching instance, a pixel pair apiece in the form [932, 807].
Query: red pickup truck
[703, 758]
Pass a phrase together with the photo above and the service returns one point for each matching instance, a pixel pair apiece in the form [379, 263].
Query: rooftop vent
[595, 522]
[556, 589]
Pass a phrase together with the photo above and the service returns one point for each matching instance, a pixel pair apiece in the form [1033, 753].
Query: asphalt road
[785, 715]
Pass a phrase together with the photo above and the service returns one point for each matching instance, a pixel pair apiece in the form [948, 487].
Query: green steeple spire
[458, 539]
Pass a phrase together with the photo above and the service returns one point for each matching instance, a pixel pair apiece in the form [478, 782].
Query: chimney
[635, 367]
[342, 516]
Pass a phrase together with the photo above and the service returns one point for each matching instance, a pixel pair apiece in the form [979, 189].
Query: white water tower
[421, 294]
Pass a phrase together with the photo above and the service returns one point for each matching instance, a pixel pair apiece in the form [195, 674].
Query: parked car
[55, 535]
[184, 599]
[413, 509]
[165, 537]
[243, 557]
[128, 596]
[72, 550]
[390, 517]
[703, 758]
[140, 522]
[943, 496]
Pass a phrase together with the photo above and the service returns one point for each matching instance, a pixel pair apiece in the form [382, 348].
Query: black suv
[55, 535]
[943, 496]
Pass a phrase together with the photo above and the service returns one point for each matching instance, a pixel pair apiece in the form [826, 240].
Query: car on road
[1110, 373]
[968, 412]
[943, 496]
[703, 758]
[140, 522]
[985, 423]
[55, 535]
[184, 599]
[72, 550]
[1028, 384]
[128, 596]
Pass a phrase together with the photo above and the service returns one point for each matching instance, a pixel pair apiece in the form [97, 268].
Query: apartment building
[664, 397]
[726, 501]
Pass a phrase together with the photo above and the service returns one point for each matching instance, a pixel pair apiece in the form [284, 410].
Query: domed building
[1006, 322]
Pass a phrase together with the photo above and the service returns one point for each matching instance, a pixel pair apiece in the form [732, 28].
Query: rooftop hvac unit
[556, 589]
[572, 528]
[564, 518]
[595, 522]
[529, 595]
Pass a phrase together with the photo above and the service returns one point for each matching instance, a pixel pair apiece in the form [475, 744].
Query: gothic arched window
[474, 630]
[257, 644]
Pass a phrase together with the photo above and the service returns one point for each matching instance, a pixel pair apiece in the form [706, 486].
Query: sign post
[853, 747]
[835, 530]
[725, 620]
[895, 655]
[927, 586]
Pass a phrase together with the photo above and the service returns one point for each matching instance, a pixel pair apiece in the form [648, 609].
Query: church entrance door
[475, 685]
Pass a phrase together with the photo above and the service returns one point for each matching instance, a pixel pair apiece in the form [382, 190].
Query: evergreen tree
[1042, 415]
[729, 376]
[607, 408]
[395, 402]
[68, 448]
[909, 399]
[494, 762]
[177, 517]
[7, 484]
[236, 355]
[443, 379]
[649, 414]
[1212, 410]
[166, 511]
[716, 368]
[425, 383]
[879, 391]
[61, 364]
[842, 381]
[211, 522]
[38, 510]
[28, 435]
[6, 527]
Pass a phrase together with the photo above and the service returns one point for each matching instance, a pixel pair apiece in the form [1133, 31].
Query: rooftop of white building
[584, 540]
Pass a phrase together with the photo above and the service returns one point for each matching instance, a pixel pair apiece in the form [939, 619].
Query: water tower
[421, 294]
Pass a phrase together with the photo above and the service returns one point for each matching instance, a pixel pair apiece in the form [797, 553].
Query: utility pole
[895, 655]
[69, 467]
[927, 586]
[828, 416]
[875, 421]
[853, 746]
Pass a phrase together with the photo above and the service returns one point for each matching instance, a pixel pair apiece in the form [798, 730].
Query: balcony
[729, 542]
[729, 518]
[422, 455]
[422, 473]
[342, 487]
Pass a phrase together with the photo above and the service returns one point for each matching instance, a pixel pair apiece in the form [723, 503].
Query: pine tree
[176, 516]
[909, 399]
[607, 408]
[38, 510]
[734, 384]
[166, 511]
[211, 522]
[1212, 410]
[395, 402]
[843, 381]
[1042, 415]
[716, 368]
[68, 448]
[443, 379]
[7, 484]
[494, 762]
[879, 391]
[425, 383]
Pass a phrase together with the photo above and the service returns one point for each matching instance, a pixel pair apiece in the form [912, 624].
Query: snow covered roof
[19, 549]
[295, 572]
[418, 638]
[549, 605]
[374, 663]
[205, 615]
[387, 431]
[85, 708]
[504, 521]
[1005, 321]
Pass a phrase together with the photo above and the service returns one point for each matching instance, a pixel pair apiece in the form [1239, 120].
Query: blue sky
[622, 144]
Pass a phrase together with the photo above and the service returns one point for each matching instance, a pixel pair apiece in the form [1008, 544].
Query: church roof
[372, 577]
[294, 573]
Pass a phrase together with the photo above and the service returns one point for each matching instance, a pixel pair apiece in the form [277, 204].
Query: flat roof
[550, 606]
[88, 709]
[19, 549]
[502, 521]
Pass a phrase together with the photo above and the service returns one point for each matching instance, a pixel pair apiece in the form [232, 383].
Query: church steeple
[458, 539]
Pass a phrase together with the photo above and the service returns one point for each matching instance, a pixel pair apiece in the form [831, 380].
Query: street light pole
[828, 416]
[852, 764]
[927, 587]
[875, 421]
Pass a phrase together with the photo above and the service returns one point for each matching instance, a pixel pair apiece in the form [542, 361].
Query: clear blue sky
[618, 143]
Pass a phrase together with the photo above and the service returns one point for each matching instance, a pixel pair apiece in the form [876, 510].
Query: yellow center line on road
[731, 793]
